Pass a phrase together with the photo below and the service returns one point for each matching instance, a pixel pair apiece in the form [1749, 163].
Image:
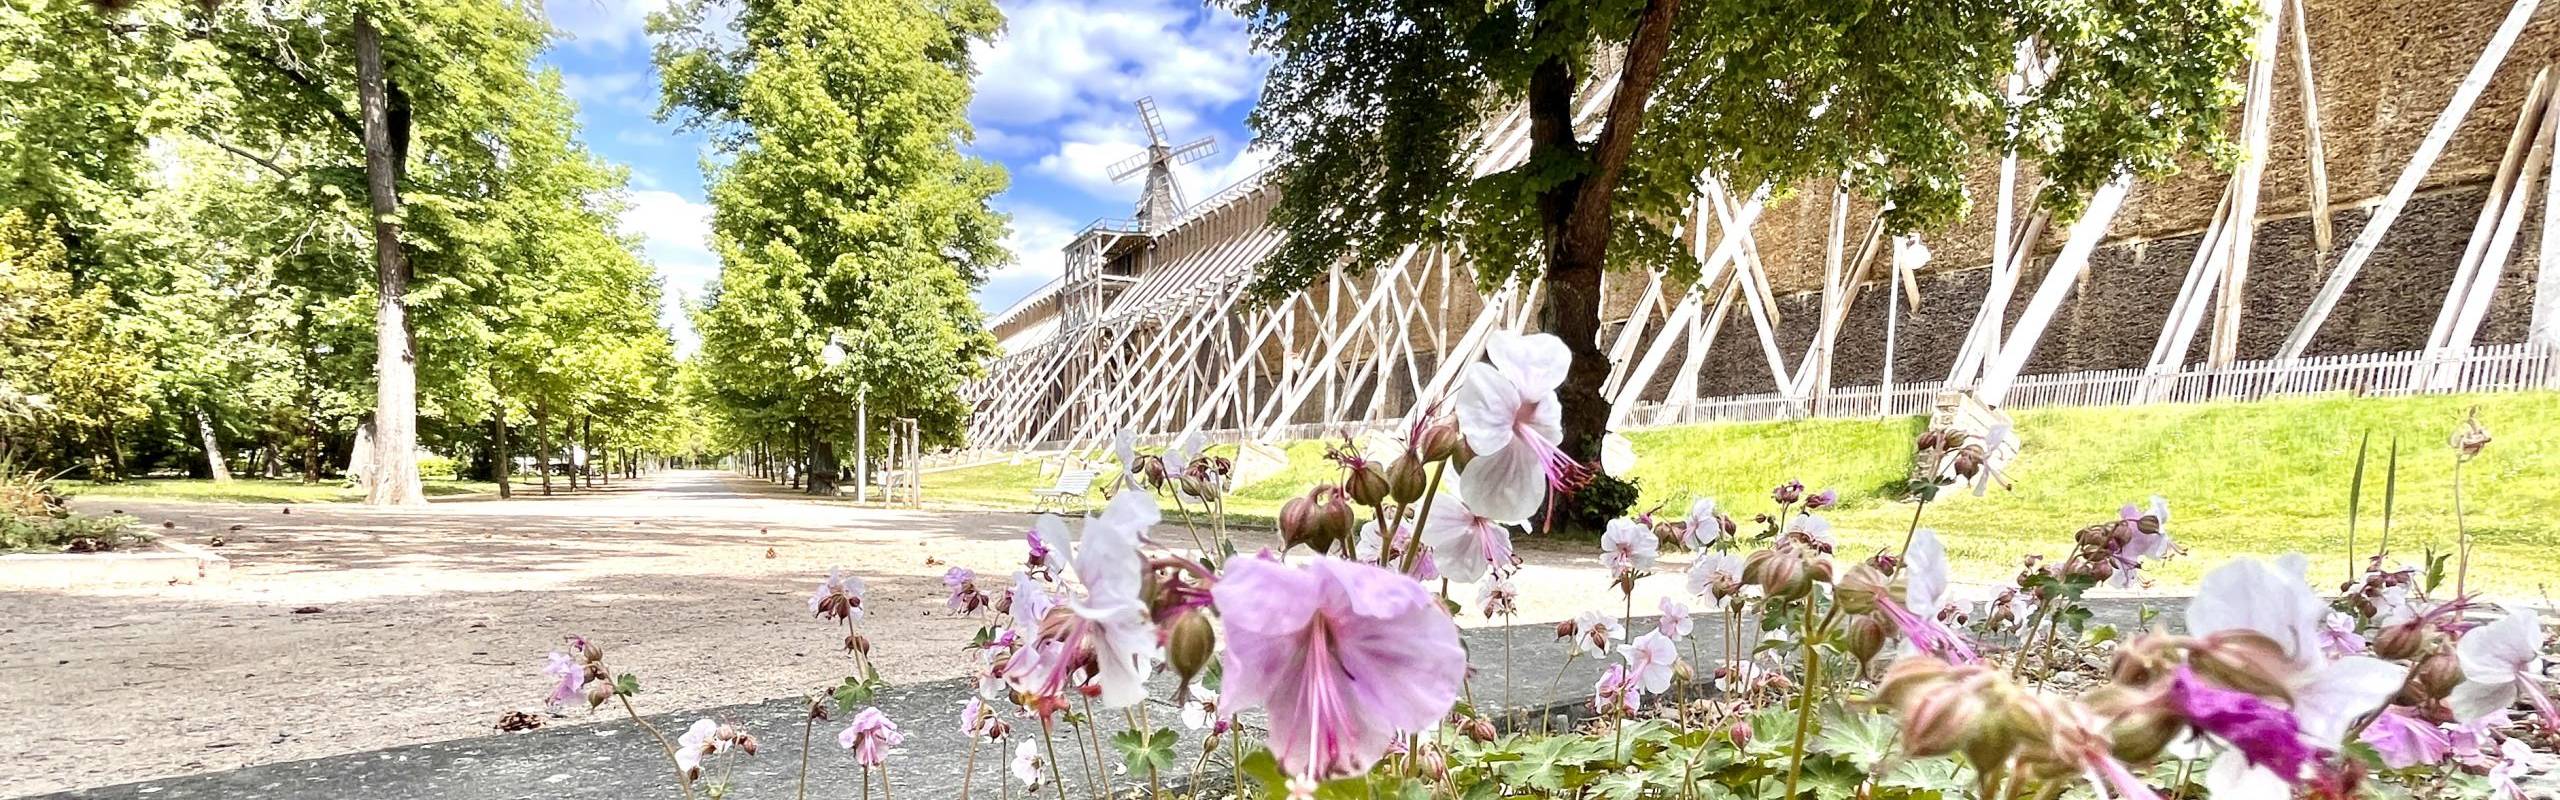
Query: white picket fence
[2495, 368]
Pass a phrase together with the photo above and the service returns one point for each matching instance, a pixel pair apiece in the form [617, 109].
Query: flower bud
[1787, 494]
[1780, 573]
[1366, 485]
[597, 691]
[1191, 644]
[1937, 723]
[857, 644]
[1822, 500]
[1151, 468]
[1441, 441]
[1682, 673]
[1334, 521]
[1818, 569]
[1405, 479]
[589, 652]
[2245, 661]
[1567, 630]
[1909, 678]
[1480, 729]
[1930, 440]
[2401, 642]
[1298, 524]
[1858, 591]
[1866, 635]
[1739, 732]
[2437, 674]
[1198, 483]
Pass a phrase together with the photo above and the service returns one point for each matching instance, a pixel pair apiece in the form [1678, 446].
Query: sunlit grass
[2254, 479]
[252, 490]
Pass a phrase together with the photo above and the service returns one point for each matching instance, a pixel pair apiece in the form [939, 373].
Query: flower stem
[1429, 494]
[1101, 763]
[1804, 707]
[808, 722]
[683, 781]
[884, 776]
[1558, 683]
[2462, 537]
[1049, 740]
[1908, 535]
[1507, 708]
[970, 768]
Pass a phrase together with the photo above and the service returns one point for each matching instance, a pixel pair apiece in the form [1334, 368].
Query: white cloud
[675, 234]
[629, 90]
[1038, 240]
[607, 25]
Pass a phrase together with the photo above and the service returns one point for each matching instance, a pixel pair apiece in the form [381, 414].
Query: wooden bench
[1072, 484]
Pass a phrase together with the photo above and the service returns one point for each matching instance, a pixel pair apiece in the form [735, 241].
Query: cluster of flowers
[1353, 659]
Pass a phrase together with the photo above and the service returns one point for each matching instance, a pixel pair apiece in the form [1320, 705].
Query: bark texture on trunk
[213, 460]
[542, 447]
[1575, 215]
[394, 477]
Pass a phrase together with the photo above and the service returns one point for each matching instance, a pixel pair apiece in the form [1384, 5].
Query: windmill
[1162, 199]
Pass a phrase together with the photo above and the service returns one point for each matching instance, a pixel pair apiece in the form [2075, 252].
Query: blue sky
[1054, 105]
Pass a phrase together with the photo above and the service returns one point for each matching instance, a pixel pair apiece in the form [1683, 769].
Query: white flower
[1617, 455]
[1508, 412]
[1628, 547]
[1925, 562]
[1202, 709]
[1464, 544]
[1991, 443]
[1597, 633]
[1050, 547]
[1031, 603]
[1649, 661]
[2276, 601]
[2500, 662]
[1371, 547]
[1112, 570]
[1712, 571]
[1498, 597]
[1813, 529]
[1703, 528]
[1125, 446]
[695, 742]
[1026, 766]
[1675, 618]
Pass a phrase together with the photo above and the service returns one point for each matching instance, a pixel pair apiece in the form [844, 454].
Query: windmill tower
[1162, 199]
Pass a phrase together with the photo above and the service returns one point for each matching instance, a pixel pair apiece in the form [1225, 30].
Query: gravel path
[427, 625]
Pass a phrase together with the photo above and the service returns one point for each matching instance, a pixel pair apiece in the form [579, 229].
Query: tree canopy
[843, 211]
[1377, 112]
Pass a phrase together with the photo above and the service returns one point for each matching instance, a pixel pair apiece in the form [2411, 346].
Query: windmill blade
[1154, 123]
[1204, 147]
[1130, 166]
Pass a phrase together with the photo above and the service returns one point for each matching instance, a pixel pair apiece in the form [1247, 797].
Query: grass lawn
[2241, 479]
[251, 490]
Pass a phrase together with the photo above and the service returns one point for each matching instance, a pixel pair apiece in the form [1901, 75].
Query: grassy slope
[251, 490]
[2241, 479]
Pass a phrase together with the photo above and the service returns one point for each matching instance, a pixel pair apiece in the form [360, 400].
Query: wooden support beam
[2476, 282]
[2241, 225]
[2464, 95]
[2315, 150]
[2067, 266]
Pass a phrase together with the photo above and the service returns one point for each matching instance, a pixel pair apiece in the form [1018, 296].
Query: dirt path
[432, 623]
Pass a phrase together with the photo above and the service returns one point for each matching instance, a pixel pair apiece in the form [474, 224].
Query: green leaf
[1861, 738]
[1146, 752]
[627, 685]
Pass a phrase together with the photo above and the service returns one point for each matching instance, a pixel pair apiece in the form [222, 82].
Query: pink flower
[963, 584]
[1370, 548]
[568, 675]
[1109, 621]
[1924, 595]
[839, 597]
[1628, 548]
[2267, 735]
[1026, 766]
[1812, 530]
[2338, 636]
[1616, 692]
[1507, 411]
[1675, 618]
[1464, 544]
[870, 737]
[1342, 656]
[2324, 695]
[2511, 765]
[2406, 741]
[1649, 659]
[1047, 540]
[1706, 527]
[2502, 661]
[1031, 602]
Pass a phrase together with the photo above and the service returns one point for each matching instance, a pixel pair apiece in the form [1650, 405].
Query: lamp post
[833, 354]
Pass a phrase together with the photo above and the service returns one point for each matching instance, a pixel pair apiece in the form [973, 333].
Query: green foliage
[1379, 113]
[1144, 752]
[221, 286]
[77, 534]
[843, 208]
[1603, 498]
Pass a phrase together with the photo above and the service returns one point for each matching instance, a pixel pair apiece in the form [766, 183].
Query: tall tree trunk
[212, 448]
[504, 461]
[602, 459]
[1575, 215]
[394, 477]
[823, 466]
[542, 446]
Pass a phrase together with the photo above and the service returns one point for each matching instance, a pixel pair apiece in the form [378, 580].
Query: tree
[845, 210]
[1377, 111]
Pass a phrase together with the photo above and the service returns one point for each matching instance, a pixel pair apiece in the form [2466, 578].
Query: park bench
[1074, 483]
